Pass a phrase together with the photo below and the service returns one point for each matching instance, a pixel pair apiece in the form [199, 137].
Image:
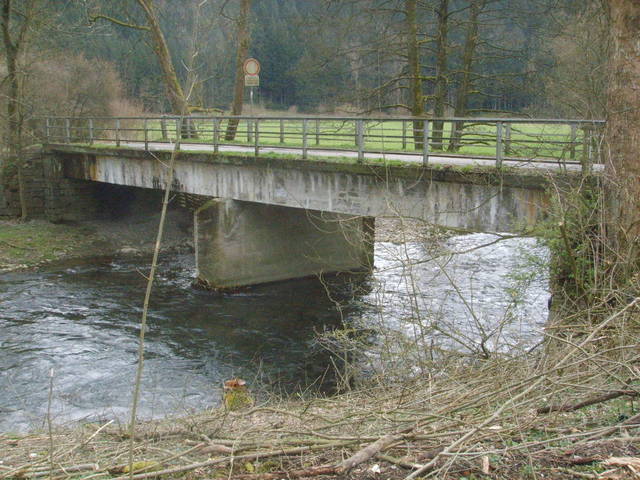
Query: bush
[75, 86]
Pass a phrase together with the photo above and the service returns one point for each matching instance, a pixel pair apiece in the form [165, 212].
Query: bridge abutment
[245, 243]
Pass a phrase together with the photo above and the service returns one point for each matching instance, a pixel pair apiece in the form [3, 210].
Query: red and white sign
[251, 66]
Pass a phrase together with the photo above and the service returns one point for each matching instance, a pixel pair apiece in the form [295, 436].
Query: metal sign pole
[250, 121]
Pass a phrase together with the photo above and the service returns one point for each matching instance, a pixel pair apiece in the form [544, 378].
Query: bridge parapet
[567, 143]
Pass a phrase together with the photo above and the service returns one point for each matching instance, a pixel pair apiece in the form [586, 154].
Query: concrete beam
[479, 200]
[242, 243]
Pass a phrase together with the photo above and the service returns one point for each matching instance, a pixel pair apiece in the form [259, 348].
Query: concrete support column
[244, 243]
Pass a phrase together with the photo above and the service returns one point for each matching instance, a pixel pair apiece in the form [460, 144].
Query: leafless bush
[76, 86]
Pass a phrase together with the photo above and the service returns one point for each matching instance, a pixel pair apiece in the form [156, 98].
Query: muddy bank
[27, 245]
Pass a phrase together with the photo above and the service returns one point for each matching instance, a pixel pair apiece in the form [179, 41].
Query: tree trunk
[464, 87]
[177, 98]
[14, 102]
[440, 92]
[623, 129]
[416, 100]
[244, 39]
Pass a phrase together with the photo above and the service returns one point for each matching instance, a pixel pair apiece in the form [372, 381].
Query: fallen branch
[631, 421]
[367, 452]
[587, 403]
[307, 472]
[398, 461]
[224, 460]
[15, 246]
[576, 474]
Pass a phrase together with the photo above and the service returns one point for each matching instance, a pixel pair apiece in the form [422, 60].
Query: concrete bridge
[272, 217]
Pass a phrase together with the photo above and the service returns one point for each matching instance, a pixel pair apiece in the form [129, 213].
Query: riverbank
[502, 419]
[36, 243]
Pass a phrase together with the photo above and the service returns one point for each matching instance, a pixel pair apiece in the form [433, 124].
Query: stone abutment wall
[48, 193]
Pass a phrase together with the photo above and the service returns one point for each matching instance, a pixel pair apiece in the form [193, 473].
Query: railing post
[256, 135]
[145, 125]
[304, 138]
[587, 150]
[163, 128]
[67, 129]
[179, 127]
[249, 131]
[507, 139]
[216, 134]
[47, 130]
[360, 139]
[317, 132]
[404, 134]
[91, 131]
[499, 145]
[117, 132]
[572, 141]
[281, 130]
[425, 143]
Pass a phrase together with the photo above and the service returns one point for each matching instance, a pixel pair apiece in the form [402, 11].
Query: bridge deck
[539, 164]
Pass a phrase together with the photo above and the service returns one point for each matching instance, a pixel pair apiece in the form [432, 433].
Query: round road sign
[251, 66]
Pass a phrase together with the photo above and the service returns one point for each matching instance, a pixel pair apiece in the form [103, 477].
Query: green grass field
[520, 140]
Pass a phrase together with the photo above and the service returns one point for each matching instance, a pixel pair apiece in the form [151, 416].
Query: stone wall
[48, 194]
[35, 188]
[68, 199]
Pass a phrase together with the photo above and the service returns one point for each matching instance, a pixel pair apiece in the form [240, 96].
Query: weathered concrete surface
[480, 200]
[242, 243]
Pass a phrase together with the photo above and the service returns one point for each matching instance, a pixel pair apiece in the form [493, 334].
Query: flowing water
[80, 323]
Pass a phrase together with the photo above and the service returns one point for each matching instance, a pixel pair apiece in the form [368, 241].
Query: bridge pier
[245, 243]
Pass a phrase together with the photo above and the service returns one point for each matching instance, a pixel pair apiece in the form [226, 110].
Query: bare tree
[175, 93]
[243, 42]
[442, 58]
[416, 96]
[15, 34]
[463, 90]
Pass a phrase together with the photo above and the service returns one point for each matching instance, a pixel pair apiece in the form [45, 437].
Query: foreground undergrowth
[570, 413]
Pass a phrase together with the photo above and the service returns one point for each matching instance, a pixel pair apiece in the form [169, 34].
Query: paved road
[537, 164]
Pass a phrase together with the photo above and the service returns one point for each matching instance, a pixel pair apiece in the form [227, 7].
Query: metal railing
[500, 139]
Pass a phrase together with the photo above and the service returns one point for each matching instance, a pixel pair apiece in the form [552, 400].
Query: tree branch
[93, 18]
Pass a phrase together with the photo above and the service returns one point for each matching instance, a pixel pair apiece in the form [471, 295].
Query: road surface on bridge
[455, 161]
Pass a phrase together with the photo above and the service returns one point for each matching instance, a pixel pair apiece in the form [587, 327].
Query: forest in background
[441, 57]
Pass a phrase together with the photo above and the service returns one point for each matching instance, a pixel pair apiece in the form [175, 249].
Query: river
[80, 323]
